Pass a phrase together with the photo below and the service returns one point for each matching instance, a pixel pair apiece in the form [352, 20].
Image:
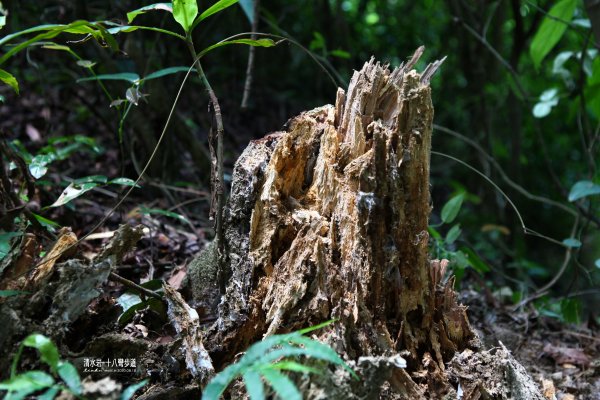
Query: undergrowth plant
[62, 375]
[264, 362]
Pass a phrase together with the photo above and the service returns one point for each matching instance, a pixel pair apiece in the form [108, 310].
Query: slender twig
[502, 61]
[134, 286]
[251, 51]
[218, 173]
[544, 290]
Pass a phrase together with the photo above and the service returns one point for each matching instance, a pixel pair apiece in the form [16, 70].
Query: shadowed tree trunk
[328, 220]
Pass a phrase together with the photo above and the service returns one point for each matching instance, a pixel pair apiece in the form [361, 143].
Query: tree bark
[329, 219]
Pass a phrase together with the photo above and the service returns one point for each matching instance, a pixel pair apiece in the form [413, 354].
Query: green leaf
[254, 385]
[10, 80]
[340, 53]
[28, 382]
[185, 12]
[70, 376]
[77, 27]
[282, 385]
[5, 245]
[249, 42]
[166, 71]
[128, 300]
[475, 261]
[548, 100]
[46, 223]
[123, 76]
[551, 30]
[215, 8]
[158, 6]
[47, 349]
[583, 189]
[130, 390]
[123, 181]
[452, 207]
[9, 293]
[50, 394]
[292, 366]
[3, 14]
[91, 178]
[39, 165]
[85, 63]
[453, 234]
[73, 191]
[572, 243]
[571, 310]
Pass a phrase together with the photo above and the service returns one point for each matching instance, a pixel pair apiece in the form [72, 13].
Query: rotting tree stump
[328, 220]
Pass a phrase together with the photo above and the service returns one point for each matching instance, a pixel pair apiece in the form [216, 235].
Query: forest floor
[563, 359]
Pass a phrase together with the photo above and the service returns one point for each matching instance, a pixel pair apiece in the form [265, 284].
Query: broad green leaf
[185, 12]
[128, 300]
[452, 207]
[39, 165]
[166, 71]
[10, 80]
[453, 234]
[46, 223]
[52, 31]
[5, 244]
[47, 349]
[571, 310]
[85, 63]
[68, 373]
[91, 178]
[434, 233]
[158, 6]
[50, 394]
[254, 385]
[583, 189]
[248, 7]
[123, 181]
[122, 76]
[215, 8]
[219, 383]
[130, 390]
[474, 260]
[249, 42]
[38, 28]
[548, 99]
[551, 30]
[282, 385]
[29, 382]
[572, 242]
[9, 293]
[542, 109]
[72, 192]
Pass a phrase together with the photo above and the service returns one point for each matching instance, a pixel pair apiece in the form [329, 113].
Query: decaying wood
[329, 221]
